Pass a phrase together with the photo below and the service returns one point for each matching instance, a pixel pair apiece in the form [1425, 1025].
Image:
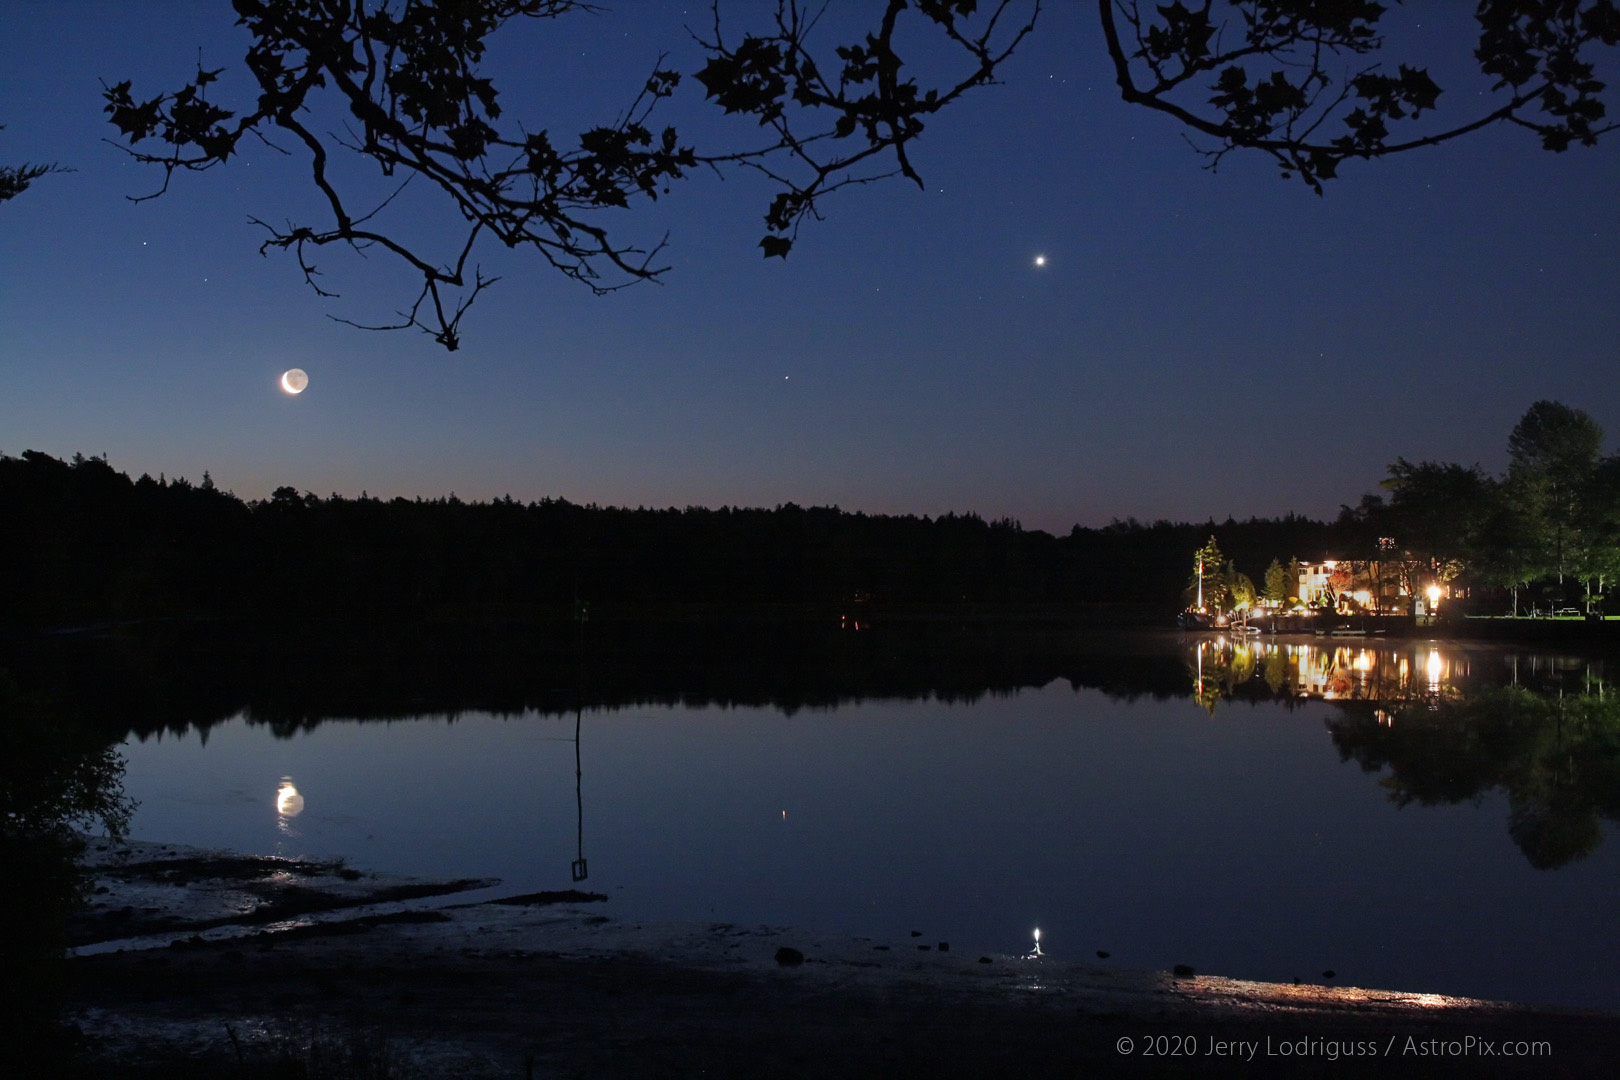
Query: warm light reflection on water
[1384, 670]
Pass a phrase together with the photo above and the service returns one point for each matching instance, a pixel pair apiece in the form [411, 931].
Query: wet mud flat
[554, 985]
[142, 889]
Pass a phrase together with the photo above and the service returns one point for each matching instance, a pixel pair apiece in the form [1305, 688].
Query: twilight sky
[1197, 344]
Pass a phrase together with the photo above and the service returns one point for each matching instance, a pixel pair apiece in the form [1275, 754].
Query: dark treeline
[1547, 528]
[1153, 564]
[1542, 538]
[83, 543]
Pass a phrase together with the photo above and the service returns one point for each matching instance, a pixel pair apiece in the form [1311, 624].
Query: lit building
[1313, 580]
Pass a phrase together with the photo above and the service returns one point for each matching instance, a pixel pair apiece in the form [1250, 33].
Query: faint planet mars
[294, 380]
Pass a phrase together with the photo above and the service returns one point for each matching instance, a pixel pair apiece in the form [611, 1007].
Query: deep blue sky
[1198, 344]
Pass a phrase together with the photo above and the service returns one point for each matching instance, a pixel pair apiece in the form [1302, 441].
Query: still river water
[1409, 815]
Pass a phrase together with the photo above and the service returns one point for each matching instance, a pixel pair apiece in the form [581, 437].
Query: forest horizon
[89, 543]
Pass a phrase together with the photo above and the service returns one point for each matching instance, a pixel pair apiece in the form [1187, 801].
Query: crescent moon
[294, 380]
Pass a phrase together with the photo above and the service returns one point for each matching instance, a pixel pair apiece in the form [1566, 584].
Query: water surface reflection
[1400, 670]
[1413, 815]
[1442, 725]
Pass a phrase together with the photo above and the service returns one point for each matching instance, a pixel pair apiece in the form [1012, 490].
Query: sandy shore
[235, 960]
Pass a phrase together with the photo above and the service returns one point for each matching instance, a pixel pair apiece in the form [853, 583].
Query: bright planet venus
[293, 381]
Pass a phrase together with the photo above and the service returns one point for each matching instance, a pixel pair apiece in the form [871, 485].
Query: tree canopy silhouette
[16, 179]
[1554, 515]
[58, 777]
[1270, 70]
[85, 543]
[405, 76]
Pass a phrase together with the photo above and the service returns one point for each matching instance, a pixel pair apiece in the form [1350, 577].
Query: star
[1040, 260]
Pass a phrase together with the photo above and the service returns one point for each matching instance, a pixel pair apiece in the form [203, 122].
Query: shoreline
[459, 983]
[616, 626]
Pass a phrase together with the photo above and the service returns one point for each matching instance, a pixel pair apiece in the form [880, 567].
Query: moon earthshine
[294, 380]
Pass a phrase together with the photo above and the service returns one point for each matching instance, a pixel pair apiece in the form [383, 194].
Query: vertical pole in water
[578, 869]
[1200, 584]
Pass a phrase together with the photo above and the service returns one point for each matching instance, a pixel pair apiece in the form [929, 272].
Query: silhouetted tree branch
[1262, 75]
[14, 179]
[814, 115]
[406, 73]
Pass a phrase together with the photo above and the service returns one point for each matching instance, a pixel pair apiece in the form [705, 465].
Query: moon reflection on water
[289, 803]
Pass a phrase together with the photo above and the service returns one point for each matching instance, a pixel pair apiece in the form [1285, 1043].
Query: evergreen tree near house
[1209, 588]
[1277, 583]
